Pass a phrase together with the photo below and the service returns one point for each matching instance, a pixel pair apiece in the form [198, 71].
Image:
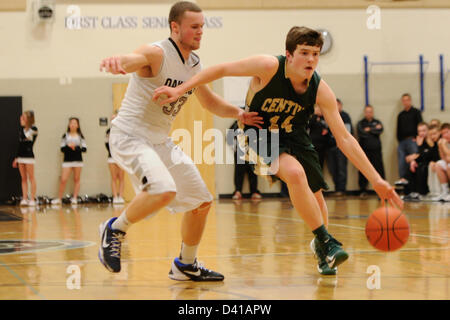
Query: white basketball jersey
[139, 115]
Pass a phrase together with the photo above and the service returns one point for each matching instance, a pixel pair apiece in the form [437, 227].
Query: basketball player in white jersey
[162, 175]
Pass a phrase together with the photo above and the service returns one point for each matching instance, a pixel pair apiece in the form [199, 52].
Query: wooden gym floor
[261, 248]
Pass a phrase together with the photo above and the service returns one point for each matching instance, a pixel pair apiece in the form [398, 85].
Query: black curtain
[10, 111]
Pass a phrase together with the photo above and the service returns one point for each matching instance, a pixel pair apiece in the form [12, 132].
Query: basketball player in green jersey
[283, 91]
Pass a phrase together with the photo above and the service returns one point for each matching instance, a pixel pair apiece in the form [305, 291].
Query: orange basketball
[387, 229]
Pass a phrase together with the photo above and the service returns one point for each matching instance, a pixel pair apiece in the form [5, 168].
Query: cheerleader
[72, 145]
[117, 174]
[25, 157]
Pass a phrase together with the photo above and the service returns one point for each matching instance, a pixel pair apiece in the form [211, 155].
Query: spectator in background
[435, 122]
[422, 133]
[442, 167]
[428, 152]
[117, 174]
[369, 130]
[240, 169]
[25, 157]
[72, 145]
[320, 134]
[336, 160]
[407, 122]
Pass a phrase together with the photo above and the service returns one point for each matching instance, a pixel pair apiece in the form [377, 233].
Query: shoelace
[200, 265]
[332, 244]
[116, 242]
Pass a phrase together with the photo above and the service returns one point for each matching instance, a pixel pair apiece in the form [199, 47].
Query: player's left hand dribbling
[386, 192]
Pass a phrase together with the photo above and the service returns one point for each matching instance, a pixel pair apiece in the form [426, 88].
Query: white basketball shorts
[159, 168]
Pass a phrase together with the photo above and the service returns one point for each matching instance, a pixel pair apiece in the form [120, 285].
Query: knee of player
[203, 208]
[295, 176]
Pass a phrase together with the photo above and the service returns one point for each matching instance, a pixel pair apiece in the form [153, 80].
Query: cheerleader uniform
[72, 158]
[27, 137]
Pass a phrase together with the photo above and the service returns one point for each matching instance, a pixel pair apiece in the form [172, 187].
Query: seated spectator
[442, 167]
[422, 132]
[435, 122]
[417, 175]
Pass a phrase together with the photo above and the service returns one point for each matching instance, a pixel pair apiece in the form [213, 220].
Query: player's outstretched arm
[146, 56]
[260, 67]
[220, 107]
[350, 147]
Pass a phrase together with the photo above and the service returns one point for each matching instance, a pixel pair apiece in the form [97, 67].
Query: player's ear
[288, 56]
[174, 27]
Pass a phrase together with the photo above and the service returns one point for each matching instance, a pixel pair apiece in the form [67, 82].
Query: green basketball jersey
[283, 109]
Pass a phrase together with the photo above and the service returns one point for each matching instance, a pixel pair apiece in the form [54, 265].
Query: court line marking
[257, 254]
[249, 255]
[330, 224]
[66, 244]
[36, 292]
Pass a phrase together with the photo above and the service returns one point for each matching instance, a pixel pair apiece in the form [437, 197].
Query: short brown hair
[303, 35]
[178, 9]
[445, 126]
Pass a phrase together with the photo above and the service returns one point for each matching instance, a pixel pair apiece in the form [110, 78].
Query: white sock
[188, 253]
[121, 222]
[444, 187]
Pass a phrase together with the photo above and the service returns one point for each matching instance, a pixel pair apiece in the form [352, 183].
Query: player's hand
[112, 65]
[387, 192]
[250, 118]
[164, 95]
[14, 164]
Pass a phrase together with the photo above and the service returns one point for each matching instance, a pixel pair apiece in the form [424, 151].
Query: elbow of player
[345, 141]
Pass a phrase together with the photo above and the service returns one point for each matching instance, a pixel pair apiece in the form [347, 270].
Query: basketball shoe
[332, 251]
[110, 246]
[322, 265]
[194, 272]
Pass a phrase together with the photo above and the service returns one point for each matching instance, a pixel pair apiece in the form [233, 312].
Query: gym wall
[56, 69]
